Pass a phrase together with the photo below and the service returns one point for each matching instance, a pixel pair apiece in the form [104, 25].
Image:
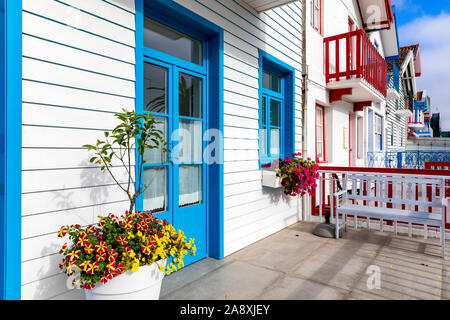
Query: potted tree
[125, 257]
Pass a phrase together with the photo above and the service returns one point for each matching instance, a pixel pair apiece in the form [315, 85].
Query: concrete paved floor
[293, 264]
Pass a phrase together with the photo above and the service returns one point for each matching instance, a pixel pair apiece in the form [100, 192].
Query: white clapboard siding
[48, 72]
[243, 199]
[240, 166]
[36, 92]
[53, 137]
[68, 15]
[36, 225]
[60, 54]
[78, 70]
[44, 115]
[50, 201]
[239, 99]
[53, 31]
[234, 178]
[46, 180]
[41, 159]
[240, 144]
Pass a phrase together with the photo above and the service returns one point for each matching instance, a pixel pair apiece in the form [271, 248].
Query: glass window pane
[271, 82]
[190, 96]
[162, 38]
[156, 155]
[155, 88]
[263, 111]
[275, 110]
[320, 150]
[275, 141]
[190, 140]
[155, 196]
[190, 185]
[319, 134]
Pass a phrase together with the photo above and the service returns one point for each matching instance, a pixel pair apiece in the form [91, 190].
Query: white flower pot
[270, 179]
[144, 284]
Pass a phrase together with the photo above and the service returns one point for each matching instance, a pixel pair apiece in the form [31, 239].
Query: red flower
[122, 240]
[90, 229]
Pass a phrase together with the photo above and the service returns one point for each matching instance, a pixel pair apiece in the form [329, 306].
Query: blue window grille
[393, 78]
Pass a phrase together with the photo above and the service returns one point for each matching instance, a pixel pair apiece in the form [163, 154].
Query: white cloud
[433, 34]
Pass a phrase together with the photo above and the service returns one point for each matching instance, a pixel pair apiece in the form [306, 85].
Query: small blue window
[276, 110]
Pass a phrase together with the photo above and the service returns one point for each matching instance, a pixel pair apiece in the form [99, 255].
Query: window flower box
[270, 179]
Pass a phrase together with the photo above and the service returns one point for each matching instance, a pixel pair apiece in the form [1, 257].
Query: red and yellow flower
[84, 265]
[122, 240]
[73, 255]
[81, 242]
[89, 248]
[128, 224]
[92, 268]
[106, 277]
[62, 232]
[111, 267]
[147, 248]
[100, 257]
[88, 285]
[64, 247]
[120, 268]
[90, 229]
[112, 255]
[101, 247]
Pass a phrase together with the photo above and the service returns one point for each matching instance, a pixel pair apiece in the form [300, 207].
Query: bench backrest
[384, 190]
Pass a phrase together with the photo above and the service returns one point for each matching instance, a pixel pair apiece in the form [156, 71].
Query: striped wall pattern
[396, 125]
[79, 69]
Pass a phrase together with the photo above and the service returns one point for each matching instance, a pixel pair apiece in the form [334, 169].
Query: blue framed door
[175, 92]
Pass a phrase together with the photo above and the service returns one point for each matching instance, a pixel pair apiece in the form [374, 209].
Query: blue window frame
[378, 132]
[276, 111]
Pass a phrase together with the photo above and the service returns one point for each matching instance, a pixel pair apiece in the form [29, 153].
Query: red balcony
[354, 69]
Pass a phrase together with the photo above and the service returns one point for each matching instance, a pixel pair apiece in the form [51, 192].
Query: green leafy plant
[135, 132]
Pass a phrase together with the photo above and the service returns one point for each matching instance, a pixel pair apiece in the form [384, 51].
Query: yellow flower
[135, 265]
[161, 268]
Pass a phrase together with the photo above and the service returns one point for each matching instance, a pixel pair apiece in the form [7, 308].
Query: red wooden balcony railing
[352, 55]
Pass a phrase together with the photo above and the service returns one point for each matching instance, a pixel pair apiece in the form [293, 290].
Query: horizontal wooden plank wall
[395, 122]
[251, 212]
[78, 70]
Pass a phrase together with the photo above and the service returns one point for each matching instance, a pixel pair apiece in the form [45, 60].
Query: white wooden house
[347, 43]
[68, 66]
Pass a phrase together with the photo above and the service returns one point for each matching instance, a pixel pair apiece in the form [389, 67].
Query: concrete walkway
[294, 264]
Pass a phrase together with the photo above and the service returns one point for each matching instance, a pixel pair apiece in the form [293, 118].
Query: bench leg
[443, 237]
[337, 225]
[345, 221]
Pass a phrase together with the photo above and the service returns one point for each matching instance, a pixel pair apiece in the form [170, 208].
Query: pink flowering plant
[298, 176]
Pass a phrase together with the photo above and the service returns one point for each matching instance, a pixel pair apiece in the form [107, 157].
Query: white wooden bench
[395, 198]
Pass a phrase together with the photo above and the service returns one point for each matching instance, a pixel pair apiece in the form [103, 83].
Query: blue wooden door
[175, 92]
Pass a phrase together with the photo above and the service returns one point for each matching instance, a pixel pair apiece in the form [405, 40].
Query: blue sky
[427, 22]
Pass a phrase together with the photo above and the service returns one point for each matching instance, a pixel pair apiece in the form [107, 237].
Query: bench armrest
[337, 194]
[444, 202]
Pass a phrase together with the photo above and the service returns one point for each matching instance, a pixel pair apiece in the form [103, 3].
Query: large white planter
[144, 284]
